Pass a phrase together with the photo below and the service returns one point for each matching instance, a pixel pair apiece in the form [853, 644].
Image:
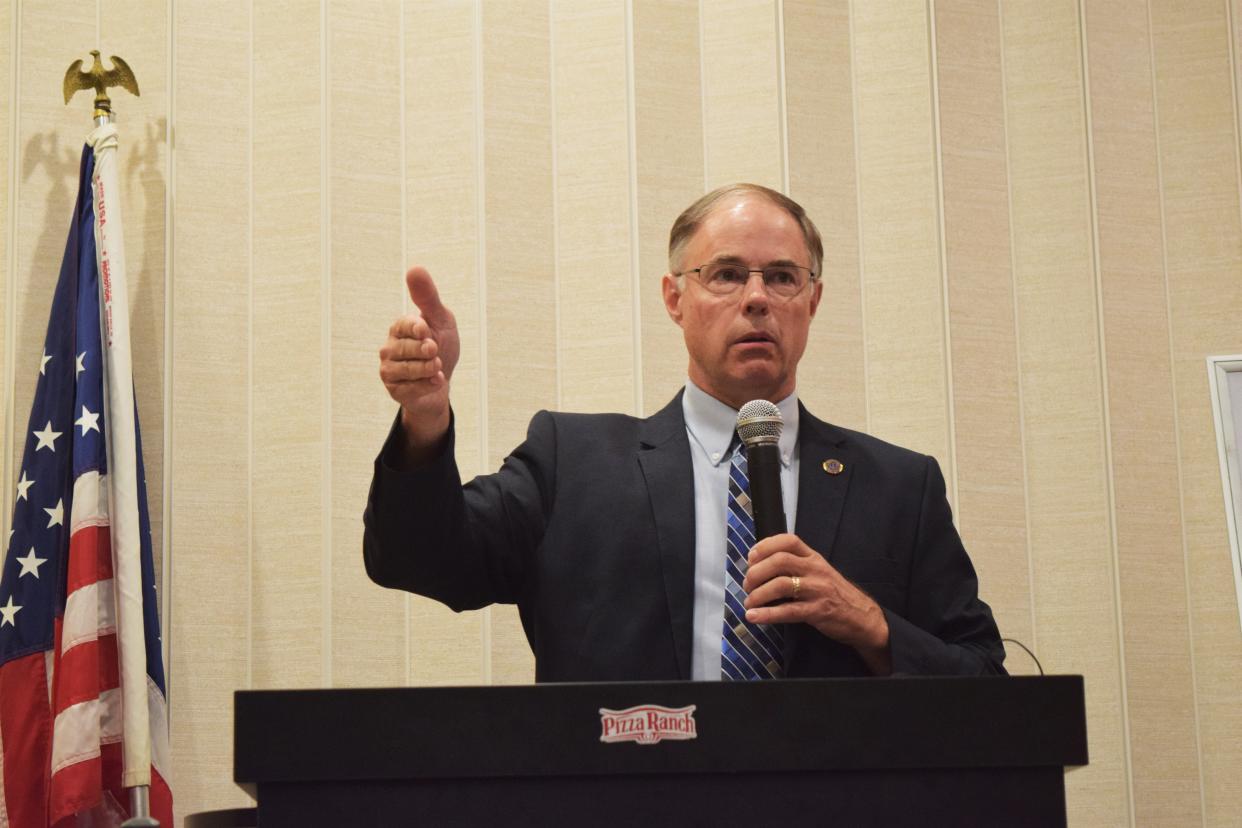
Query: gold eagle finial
[100, 80]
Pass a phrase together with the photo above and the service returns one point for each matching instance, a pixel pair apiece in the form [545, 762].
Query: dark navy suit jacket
[589, 528]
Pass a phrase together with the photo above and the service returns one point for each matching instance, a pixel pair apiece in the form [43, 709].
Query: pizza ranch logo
[647, 724]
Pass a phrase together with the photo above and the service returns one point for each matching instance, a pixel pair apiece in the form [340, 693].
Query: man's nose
[755, 294]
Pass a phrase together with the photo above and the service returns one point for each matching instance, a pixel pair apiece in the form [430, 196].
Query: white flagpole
[122, 472]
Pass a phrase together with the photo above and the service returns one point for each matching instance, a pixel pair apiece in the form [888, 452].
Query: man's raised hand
[417, 362]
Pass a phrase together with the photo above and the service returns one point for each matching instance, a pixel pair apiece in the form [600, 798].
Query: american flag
[78, 610]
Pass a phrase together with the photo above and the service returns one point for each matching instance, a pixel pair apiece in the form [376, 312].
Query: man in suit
[610, 532]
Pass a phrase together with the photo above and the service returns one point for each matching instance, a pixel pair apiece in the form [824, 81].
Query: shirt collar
[711, 423]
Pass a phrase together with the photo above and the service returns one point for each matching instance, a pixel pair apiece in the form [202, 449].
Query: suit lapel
[664, 457]
[821, 498]
[821, 489]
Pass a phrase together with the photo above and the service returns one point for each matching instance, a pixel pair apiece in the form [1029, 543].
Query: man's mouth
[754, 338]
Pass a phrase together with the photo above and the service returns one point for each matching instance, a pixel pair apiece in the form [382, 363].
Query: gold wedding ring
[797, 585]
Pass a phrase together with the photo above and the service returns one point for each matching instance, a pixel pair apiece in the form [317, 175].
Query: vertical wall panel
[1075, 610]
[669, 153]
[1160, 689]
[210, 413]
[521, 299]
[9, 66]
[991, 505]
[593, 249]
[364, 157]
[519, 262]
[741, 93]
[288, 384]
[1198, 154]
[819, 93]
[903, 300]
[1234, 12]
[443, 235]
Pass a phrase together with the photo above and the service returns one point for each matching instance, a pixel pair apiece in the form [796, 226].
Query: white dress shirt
[710, 425]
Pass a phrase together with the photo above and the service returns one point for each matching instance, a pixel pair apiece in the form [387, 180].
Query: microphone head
[759, 422]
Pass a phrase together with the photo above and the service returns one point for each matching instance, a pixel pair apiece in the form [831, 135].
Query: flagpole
[139, 795]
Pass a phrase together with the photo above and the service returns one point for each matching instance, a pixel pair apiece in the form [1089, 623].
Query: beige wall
[1034, 231]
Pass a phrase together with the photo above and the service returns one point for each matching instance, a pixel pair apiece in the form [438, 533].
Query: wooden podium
[900, 751]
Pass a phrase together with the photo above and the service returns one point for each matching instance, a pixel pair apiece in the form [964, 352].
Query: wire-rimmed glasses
[783, 281]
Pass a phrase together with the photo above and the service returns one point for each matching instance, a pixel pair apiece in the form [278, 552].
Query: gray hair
[688, 223]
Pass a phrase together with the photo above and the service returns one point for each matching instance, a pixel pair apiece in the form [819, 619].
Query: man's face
[745, 345]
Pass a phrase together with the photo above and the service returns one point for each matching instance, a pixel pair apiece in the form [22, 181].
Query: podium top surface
[658, 727]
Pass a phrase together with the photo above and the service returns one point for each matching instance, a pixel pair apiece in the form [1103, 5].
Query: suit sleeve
[469, 546]
[946, 629]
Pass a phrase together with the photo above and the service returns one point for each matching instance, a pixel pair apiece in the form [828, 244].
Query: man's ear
[672, 298]
[817, 293]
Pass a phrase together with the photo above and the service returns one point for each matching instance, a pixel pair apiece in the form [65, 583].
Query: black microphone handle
[763, 468]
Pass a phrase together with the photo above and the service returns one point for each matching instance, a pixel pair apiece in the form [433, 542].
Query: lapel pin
[834, 466]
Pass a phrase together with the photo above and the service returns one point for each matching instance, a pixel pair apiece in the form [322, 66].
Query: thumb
[424, 294]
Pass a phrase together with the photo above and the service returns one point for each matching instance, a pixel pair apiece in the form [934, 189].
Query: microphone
[759, 425]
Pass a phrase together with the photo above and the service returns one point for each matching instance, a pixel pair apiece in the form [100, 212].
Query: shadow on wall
[143, 162]
[142, 167]
[44, 155]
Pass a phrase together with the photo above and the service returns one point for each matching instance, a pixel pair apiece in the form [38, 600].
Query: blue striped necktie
[747, 651]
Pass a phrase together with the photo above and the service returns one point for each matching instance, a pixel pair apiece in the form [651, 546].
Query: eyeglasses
[783, 281]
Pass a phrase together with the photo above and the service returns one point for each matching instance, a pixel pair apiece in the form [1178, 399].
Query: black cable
[1028, 652]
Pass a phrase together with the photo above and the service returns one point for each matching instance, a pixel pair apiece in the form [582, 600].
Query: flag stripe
[4, 811]
[90, 557]
[161, 792]
[25, 723]
[90, 541]
[161, 753]
[81, 728]
[161, 759]
[88, 613]
[77, 787]
[90, 500]
[86, 670]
